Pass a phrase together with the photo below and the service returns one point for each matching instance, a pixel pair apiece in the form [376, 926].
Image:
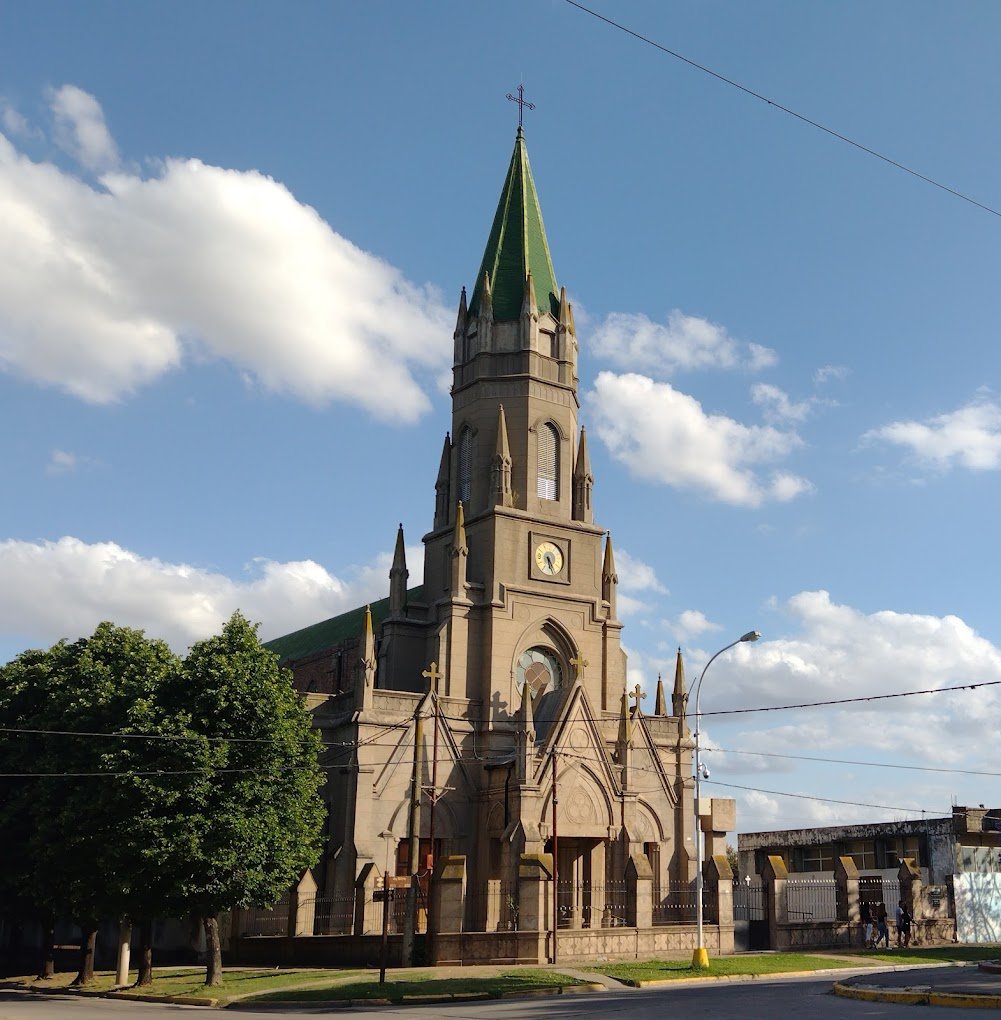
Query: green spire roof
[517, 245]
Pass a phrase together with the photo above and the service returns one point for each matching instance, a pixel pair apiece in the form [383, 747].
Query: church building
[483, 714]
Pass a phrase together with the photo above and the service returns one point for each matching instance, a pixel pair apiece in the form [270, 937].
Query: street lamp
[700, 958]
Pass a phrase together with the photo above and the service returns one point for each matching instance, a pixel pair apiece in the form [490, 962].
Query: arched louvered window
[465, 464]
[549, 462]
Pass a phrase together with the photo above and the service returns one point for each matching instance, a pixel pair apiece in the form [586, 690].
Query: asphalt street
[759, 1000]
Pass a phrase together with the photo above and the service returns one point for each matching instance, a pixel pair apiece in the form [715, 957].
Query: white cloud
[62, 462]
[690, 624]
[838, 652]
[826, 373]
[12, 121]
[115, 286]
[686, 342]
[635, 575]
[969, 437]
[65, 588]
[776, 406]
[664, 436]
[80, 129]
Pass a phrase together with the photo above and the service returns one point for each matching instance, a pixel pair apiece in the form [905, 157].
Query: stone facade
[483, 715]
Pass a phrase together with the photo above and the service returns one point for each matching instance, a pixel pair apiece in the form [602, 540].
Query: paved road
[760, 1000]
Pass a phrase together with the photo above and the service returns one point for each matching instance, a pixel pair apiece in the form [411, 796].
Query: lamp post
[700, 958]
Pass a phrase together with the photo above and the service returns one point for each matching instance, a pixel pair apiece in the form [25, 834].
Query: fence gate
[750, 922]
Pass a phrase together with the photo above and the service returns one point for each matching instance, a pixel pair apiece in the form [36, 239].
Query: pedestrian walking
[903, 927]
[882, 929]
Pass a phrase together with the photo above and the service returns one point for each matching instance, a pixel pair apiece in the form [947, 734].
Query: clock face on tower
[548, 558]
[540, 669]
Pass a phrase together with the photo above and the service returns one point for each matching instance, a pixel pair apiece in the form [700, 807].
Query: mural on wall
[978, 907]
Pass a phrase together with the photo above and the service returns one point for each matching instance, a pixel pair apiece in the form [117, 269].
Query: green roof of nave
[329, 633]
[517, 245]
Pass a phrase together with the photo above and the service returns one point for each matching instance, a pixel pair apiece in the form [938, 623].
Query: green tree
[78, 856]
[244, 830]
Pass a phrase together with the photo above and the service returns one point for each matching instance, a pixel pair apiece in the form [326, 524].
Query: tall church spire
[609, 579]
[661, 706]
[442, 496]
[460, 553]
[679, 696]
[398, 575]
[583, 483]
[517, 247]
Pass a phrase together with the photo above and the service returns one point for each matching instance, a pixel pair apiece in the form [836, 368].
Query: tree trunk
[47, 967]
[213, 951]
[88, 943]
[145, 953]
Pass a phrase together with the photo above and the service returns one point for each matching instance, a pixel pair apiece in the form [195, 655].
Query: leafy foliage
[152, 786]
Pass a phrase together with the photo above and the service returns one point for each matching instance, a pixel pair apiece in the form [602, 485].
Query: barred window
[465, 464]
[549, 462]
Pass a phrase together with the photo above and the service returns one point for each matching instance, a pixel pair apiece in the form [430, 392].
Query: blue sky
[233, 240]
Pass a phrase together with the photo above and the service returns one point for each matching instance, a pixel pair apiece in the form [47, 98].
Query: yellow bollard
[700, 959]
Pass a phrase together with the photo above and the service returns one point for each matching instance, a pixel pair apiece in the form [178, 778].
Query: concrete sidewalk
[971, 985]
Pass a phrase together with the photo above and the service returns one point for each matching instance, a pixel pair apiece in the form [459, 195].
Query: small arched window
[549, 462]
[465, 464]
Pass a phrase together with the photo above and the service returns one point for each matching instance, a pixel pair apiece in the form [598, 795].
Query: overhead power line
[849, 761]
[852, 701]
[783, 108]
[827, 800]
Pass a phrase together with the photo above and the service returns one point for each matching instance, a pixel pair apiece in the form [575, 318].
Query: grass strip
[721, 966]
[938, 954]
[190, 981]
[508, 982]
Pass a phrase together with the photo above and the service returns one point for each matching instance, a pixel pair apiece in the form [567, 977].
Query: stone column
[718, 879]
[368, 913]
[774, 876]
[535, 896]
[450, 893]
[639, 891]
[302, 906]
[911, 893]
[846, 891]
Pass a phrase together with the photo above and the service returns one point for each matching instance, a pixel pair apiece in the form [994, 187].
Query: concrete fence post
[639, 891]
[302, 906]
[368, 913]
[535, 898]
[846, 891]
[718, 879]
[774, 877]
[450, 893]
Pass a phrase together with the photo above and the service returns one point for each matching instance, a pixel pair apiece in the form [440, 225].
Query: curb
[86, 993]
[787, 975]
[916, 996]
[423, 1000]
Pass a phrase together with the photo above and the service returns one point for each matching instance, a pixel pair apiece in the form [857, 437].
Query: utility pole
[556, 867]
[410, 928]
[433, 677]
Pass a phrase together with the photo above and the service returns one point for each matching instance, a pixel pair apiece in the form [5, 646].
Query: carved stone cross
[637, 692]
[579, 662]
[434, 675]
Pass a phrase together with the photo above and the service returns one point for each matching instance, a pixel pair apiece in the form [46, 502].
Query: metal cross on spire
[522, 103]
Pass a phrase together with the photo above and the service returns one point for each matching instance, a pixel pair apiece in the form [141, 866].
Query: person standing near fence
[882, 931]
[903, 927]
[865, 912]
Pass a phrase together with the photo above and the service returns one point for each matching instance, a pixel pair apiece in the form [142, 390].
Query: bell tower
[516, 468]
